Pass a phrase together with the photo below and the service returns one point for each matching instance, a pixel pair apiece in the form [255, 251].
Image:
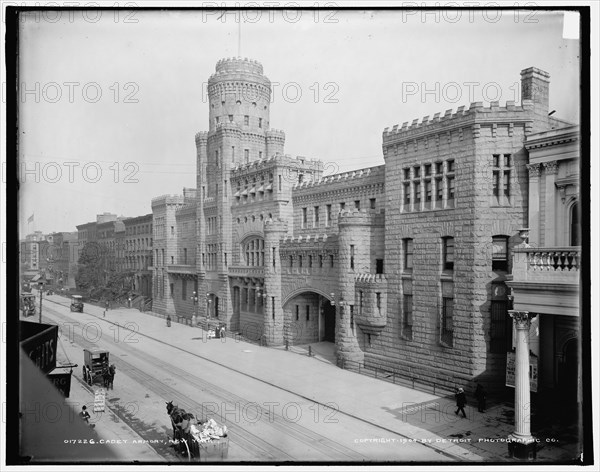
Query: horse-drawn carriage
[198, 440]
[27, 304]
[96, 364]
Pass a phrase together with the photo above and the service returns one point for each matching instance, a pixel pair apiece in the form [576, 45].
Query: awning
[236, 194]
[36, 278]
[261, 188]
[269, 187]
[244, 192]
[253, 190]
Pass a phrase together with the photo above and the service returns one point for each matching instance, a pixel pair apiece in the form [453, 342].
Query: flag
[30, 219]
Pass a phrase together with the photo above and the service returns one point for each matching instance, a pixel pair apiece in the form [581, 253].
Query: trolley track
[239, 435]
[316, 438]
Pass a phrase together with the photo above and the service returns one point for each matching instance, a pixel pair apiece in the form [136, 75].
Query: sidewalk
[414, 414]
[109, 427]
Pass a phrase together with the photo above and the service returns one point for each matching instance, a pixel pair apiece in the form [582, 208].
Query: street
[265, 423]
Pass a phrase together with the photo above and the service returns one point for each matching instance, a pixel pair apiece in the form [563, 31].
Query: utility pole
[41, 288]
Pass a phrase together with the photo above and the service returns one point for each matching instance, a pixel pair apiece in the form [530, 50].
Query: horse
[181, 420]
[108, 374]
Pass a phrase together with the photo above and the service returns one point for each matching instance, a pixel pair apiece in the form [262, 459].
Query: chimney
[535, 85]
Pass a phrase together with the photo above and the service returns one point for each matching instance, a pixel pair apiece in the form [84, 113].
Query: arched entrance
[309, 317]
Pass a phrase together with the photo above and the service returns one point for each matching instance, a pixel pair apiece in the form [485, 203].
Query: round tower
[275, 142]
[353, 232]
[274, 231]
[239, 92]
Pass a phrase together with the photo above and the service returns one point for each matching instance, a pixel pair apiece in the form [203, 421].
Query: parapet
[353, 177]
[201, 137]
[365, 217]
[275, 134]
[167, 200]
[460, 117]
[286, 160]
[309, 240]
[238, 64]
[365, 279]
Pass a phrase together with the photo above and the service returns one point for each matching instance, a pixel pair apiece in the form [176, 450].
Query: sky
[113, 100]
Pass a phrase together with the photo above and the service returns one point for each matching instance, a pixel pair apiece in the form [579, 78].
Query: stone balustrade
[547, 264]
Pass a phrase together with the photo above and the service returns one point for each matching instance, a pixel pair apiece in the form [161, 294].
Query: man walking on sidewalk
[461, 401]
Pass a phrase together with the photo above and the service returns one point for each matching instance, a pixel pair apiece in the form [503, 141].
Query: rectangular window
[407, 194]
[352, 256]
[328, 216]
[307, 312]
[316, 217]
[357, 204]
[450, 190]
[260, 154]
[304, 217]
[231, 118]
[496, 183]
[439, 190]
[260, 122]
[439, 167]
[279, 182]
[379, 266]
[320, 261]
[417, 172]
[331, 260]
[450, 165]
[185, 255]
[372, 202]
[216, 120]
[247, 155]
[342, 206]
[184, 289]
[500, 253]
[172, 289]
[428, 191]
[378, 300]
[407, 309]
[499, 325]
[297, 312]
[447, 313]
[507, 160]
[309, 261]
[448, 253]
[246, 120]
[408, 253]
[417, 192]
[299, 261]
[427, 170]
[406, 174]
[506, 183]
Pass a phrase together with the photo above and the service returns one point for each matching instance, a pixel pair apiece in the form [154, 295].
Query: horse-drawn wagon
[96, 364]
[200, 441]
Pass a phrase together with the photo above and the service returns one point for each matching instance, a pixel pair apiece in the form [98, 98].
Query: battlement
[365, 279]
[186, 210]
[298, 162]
[229, 126]
[308, 240]
[201, 137]
[275, 134]
[475, 112]
[238, 64]
[354, 176]
[167, 200]
[360, 217]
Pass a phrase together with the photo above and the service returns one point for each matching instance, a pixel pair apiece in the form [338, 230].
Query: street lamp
[341, 303]
[194, 298]
[208, 301]
[41, 290]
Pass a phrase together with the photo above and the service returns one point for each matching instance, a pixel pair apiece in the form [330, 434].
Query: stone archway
[308, 317]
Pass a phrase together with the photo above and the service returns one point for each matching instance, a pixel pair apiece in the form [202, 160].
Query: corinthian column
[521, 443]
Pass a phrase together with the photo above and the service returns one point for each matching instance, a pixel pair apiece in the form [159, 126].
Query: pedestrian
[168, 320]
[480, 395]
[84, 414]
[461, 401]
[106, 305]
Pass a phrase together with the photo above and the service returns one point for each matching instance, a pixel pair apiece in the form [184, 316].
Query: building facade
[137, 252]
[403, 266]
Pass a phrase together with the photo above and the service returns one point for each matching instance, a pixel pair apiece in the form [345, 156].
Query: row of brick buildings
[411, 266]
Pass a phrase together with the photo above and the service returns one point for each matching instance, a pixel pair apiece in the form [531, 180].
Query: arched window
[254, 252]
[575, 230]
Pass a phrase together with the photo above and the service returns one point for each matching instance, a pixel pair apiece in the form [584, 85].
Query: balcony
[246, 271]
[187, 269]
[546, 280]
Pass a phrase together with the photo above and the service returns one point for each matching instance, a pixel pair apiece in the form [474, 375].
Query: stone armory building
[403, 266]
